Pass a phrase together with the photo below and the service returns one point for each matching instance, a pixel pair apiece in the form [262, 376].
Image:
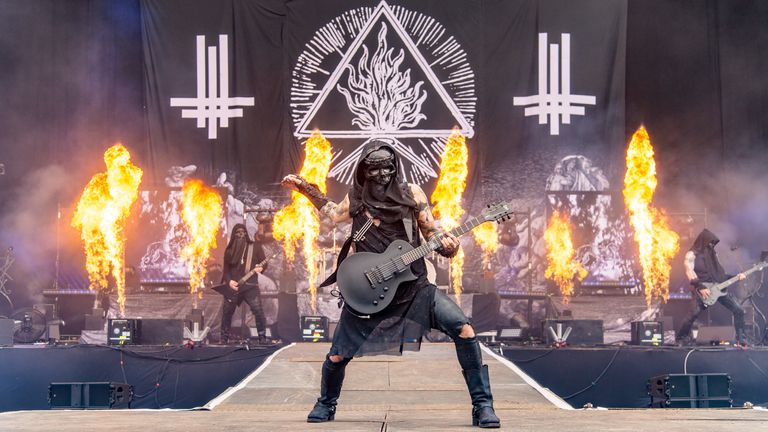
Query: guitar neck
[434, 242]
[734, 279]
[253, 271]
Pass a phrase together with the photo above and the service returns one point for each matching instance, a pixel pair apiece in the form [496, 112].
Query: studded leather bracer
[317, 198]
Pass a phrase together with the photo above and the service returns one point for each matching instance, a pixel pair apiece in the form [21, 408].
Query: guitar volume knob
[381, 296]
[375, 302]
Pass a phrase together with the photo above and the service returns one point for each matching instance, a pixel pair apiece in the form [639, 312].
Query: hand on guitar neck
[235, 286]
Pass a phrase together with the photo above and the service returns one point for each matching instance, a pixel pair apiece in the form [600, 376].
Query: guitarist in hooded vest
[702, 267]
[241, 256]
[383, 208]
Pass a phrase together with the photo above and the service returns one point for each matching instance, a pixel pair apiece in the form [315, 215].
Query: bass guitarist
[384, 208]
[241, 256]
[701, 268]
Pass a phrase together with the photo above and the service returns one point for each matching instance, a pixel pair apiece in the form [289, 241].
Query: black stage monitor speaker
[287, 327]
[690, 391]
[583, 332]
[647, 333]
[314, 328]
[162, 332]
[90, 395]
[123, 331]
[485, 312]
[713, 335]
[6, 332]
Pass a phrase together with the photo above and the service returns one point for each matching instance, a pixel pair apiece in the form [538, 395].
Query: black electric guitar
[717, 290]
[368, 281]
[230, 294]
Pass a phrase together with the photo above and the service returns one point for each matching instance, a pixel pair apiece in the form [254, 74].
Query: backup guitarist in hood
[240, 257]
[703, 269]
[398, 211]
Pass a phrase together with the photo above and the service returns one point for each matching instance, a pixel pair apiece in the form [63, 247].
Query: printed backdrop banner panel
[213, 84]
[528, 82]
[536, 87]
[402, 71]
[553, 87]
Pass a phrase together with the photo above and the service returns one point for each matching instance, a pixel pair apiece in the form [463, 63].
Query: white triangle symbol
[383, 9]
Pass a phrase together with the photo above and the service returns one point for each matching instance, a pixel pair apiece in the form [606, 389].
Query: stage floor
[419, 391]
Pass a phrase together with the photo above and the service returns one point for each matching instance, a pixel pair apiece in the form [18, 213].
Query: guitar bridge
[372, 277]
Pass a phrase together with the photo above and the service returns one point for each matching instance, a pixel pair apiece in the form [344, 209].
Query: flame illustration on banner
[201, 209]
[656, 242]
[447, 197]
[561, 267]
[100, 217]
[381, 80]
[299, 220]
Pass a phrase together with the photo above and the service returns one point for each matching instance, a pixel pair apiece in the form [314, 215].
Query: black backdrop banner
[213, 86]
[527, 82]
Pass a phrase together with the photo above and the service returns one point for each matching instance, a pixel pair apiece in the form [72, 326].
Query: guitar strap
[408, 222]
[344, 251]
[248, 258]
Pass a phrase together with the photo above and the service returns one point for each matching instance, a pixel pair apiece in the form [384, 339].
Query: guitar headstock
[498, 212]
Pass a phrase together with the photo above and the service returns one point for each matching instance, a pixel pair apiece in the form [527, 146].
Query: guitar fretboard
[434, 242]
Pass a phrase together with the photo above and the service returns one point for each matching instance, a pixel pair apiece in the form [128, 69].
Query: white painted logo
[401, 77]
[554, 104]
[212, 104]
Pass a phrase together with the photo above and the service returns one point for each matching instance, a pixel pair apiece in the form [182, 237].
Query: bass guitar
[230, 294]
[717, 290]
[368, 281]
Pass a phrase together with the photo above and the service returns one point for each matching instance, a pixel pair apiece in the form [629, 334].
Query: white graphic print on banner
[386, 89]
[555, 101]
[213, 102]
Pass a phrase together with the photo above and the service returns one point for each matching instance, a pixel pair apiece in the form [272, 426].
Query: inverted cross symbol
[554, 102]
[212, 103]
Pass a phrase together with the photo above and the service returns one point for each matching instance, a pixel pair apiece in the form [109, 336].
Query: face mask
[381, 175]
[380, 167]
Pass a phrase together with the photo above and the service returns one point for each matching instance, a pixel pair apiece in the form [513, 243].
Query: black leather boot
[330, 389]
[479, 385]
[476, 375]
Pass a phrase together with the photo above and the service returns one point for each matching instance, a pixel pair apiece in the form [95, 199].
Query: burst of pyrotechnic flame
[656, 242]
[487, 237]
[447, 196]
[299, 220]
[100, 216]
[561, 267]
[201, 209]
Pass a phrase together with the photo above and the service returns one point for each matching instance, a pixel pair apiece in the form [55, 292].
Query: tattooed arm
[336, 212]
[428, 227]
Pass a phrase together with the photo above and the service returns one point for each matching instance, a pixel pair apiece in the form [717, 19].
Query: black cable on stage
[596, 380]
[122, 368]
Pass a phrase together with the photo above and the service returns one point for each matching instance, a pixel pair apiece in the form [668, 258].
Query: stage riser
[183, 381]
[567, 371]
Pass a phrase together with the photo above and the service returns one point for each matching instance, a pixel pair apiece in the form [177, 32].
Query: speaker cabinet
[647, 333]
[90, 395]
[314, 328]
[6, 332]
[162, 332]
[583, 332]
[690, 391]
